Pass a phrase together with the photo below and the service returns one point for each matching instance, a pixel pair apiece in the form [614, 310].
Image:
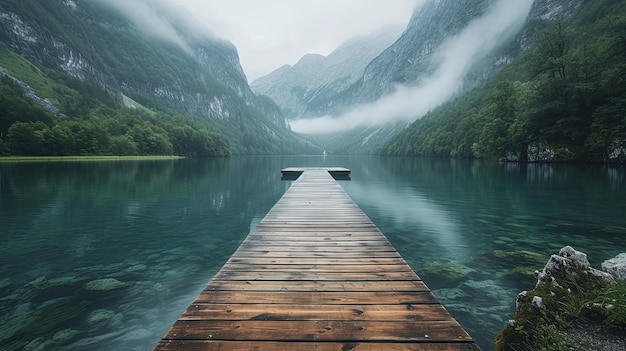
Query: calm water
[100, 256]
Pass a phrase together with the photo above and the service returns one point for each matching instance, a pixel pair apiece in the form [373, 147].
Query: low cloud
[161, 19]
[457, 55]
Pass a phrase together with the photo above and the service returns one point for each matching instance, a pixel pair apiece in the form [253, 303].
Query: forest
[95, 123]
[111, 89]
[564, 99]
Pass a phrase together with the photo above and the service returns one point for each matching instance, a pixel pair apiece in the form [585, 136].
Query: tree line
[99, 125]
[566, 94]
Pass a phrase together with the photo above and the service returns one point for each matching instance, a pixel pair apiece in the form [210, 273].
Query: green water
[161, 229]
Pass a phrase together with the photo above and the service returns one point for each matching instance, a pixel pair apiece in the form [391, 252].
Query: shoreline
[23, 159]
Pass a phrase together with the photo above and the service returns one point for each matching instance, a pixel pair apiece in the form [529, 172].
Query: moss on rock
[572, 293]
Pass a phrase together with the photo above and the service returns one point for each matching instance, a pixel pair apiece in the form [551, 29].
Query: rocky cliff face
[553, 9]
[40, 46]
[316, 77]
[193, 72]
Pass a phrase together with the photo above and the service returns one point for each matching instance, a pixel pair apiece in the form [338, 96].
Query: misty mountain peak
[316, 76]
[311, 59]
[163, 20]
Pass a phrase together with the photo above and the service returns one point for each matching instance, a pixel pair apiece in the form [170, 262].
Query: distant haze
[456, 55]
[271, 33]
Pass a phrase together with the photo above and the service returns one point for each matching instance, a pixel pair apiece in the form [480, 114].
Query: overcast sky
[271, 33]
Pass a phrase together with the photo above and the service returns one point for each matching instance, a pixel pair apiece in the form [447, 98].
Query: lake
[107, 255]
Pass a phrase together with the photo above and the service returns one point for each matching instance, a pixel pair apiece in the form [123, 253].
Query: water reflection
[476, 231]
[412, 210]
[99, 256]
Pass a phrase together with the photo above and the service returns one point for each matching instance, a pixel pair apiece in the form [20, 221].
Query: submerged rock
[485, 288]
[106, 284]
[52, 313]
[519, 257]
[451, 271]
[616, 266]
[450, 294]
[99, 318]
[65, 335]
[39, 344]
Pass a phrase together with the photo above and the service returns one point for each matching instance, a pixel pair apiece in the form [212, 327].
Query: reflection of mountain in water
[420, 216]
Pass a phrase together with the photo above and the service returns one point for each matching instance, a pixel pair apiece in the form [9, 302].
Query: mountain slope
[410, 58]
[448, 49]
[316, 77]
[562, 100]
[160, 58]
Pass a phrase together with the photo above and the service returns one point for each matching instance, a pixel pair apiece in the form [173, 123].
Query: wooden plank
[431, 331]
[320, 243]
[291, 312]
[337, 261]
[194, 345]
[328, 249]
[316, 254]
[316, 274]
[391, 276]
[313, 236]
[204, 345]
[316, 268]
[317, 297]
[308, 285]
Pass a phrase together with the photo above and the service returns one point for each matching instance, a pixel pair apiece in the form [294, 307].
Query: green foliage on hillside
[96, 124]
[172, 85]
[566, 94]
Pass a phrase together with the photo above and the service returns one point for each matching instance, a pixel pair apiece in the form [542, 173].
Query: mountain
[150, 57]
[417, 53]
[562, 99]
[408, 59]
[316, 77]
[404, 65]
[448, 49]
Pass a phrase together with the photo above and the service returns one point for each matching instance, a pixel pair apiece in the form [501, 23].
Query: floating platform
[338, 173]
[316, 274]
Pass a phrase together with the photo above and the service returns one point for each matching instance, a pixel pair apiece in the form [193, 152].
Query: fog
[162, 20]
[457, 55]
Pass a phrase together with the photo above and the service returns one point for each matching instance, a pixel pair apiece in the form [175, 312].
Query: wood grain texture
[316, 274]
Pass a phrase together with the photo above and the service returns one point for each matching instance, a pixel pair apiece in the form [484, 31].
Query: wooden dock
[316, 274]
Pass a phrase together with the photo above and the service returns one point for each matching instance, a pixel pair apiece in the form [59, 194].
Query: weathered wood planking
[316, 274]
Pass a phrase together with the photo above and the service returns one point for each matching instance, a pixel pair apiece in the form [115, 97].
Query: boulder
[520, 299]
[537, 303]
[568, 261]
[616, 266]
